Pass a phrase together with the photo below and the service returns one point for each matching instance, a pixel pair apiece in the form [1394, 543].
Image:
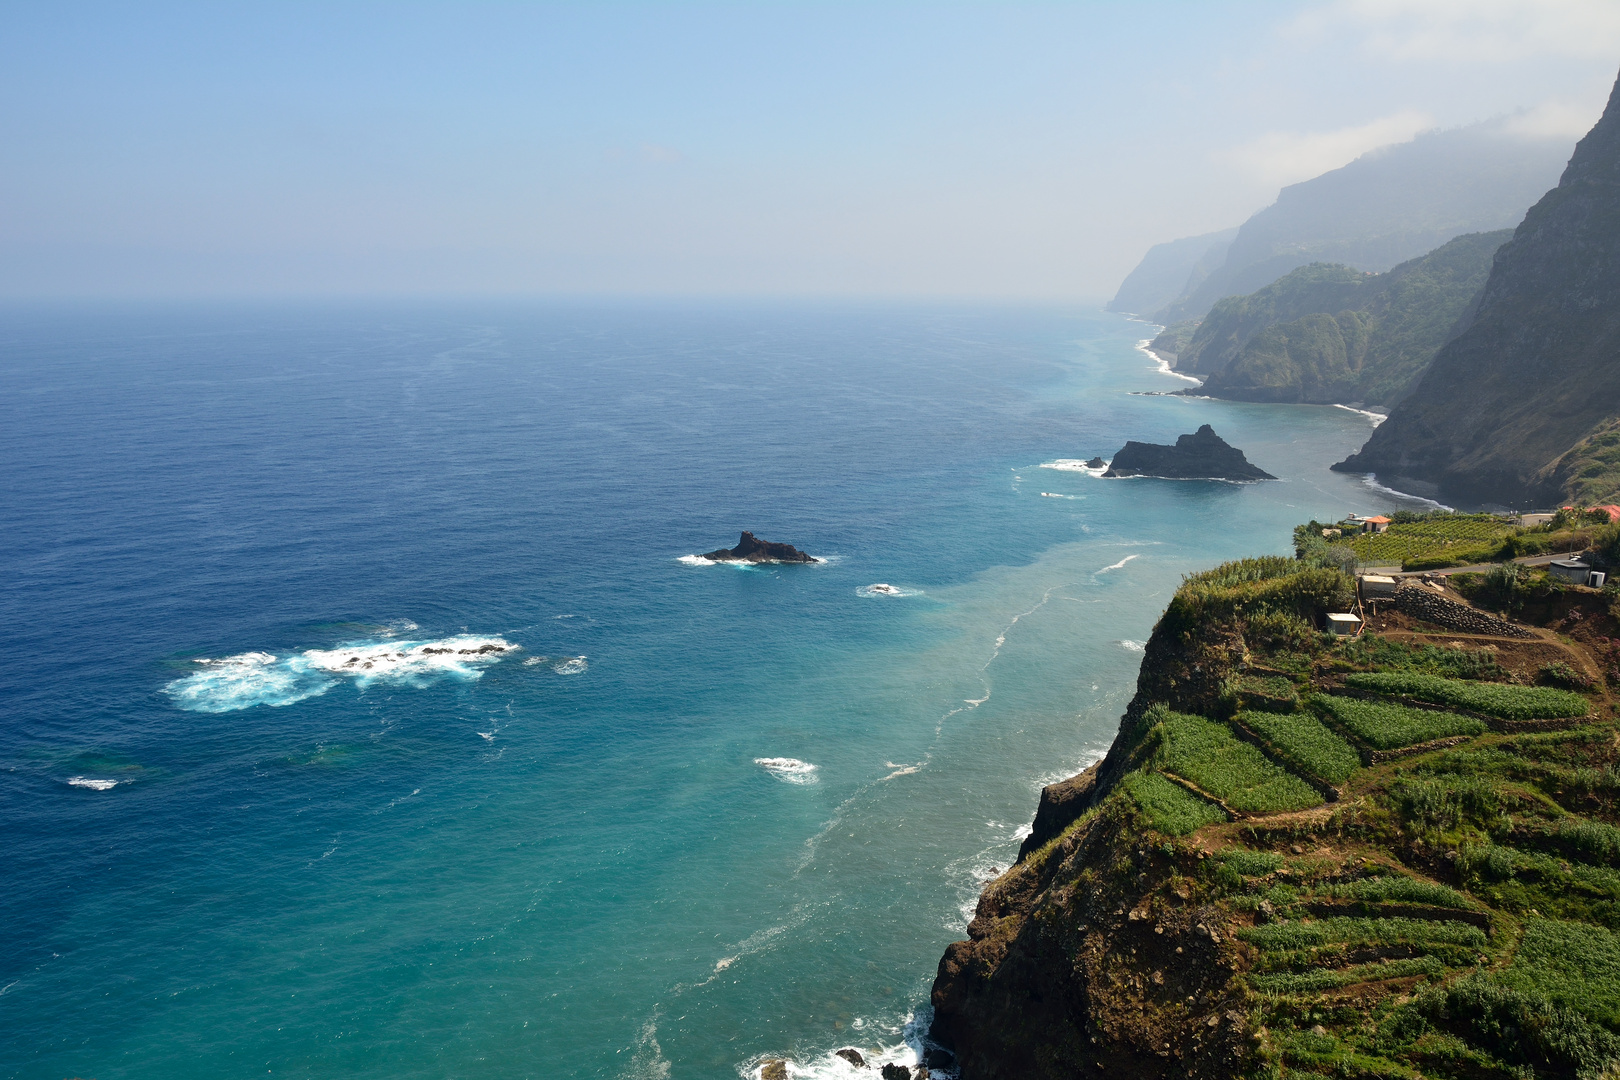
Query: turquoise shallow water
[563, 859]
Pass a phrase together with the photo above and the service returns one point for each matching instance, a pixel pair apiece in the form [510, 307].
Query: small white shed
[1377, 586]
[1343, 623]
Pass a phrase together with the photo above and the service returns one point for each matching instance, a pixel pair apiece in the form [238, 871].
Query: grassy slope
[1368, 339]
[1452, 913]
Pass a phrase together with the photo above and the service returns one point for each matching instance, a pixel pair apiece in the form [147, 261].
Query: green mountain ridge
[1327, 333]
[1388, 206]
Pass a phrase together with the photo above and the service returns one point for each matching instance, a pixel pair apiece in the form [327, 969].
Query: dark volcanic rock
[1202, 455]
[892, 1071]
[1096, 463]
[752, 549]
[852, 1056]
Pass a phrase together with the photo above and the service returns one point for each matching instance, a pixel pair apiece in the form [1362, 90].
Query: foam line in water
[1376, 418]
[789, 770]
[1163, 365]
[92, 783]
[1371, 480]
[260, 678]
[1119, 565]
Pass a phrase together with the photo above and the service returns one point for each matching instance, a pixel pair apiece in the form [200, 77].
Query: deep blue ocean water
[225, 853]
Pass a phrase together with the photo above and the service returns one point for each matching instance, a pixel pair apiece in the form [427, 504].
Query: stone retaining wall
[1422, 603]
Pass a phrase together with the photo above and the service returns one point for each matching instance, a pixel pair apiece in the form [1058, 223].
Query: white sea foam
[1376, 417]
[261, 678]
[1074, 465]
[1133, 646]
[1371, 480]
[829, 1066]
[92, 783]
[696, 560]
[789, 770]
[1119, 565]
[534, 660]
[882, 589]
[901, 770]
[1162, 364]
[570, 665]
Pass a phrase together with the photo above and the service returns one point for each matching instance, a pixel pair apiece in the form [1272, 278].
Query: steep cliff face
[1328, 334]
[1537, 370]
[1170, 269]
[1296, 861]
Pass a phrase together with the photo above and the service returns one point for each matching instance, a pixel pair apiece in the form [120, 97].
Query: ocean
[593, 809]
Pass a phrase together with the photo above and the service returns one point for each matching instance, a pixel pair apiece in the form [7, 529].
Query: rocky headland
[1389, 856]
[754, 550]
[1203, 455]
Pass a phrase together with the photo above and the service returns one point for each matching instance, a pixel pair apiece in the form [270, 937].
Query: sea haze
[592, 810]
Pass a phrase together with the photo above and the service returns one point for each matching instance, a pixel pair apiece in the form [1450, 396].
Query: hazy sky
[1009, 150]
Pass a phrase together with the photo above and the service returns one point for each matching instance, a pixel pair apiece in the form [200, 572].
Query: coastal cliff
[1519, 408]
[1387, 856]
[1326, 334]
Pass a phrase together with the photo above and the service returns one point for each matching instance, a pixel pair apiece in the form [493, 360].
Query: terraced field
[1455, 913]
[1474, 534]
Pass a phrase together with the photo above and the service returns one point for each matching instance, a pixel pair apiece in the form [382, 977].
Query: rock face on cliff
[1502, 412]
[752, 549]
[1329, 334]
[1202, 455]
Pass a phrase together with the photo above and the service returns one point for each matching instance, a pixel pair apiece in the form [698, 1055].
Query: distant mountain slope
[1520, 407]
[1326, 333]
[1384, 208]
[1168, 270]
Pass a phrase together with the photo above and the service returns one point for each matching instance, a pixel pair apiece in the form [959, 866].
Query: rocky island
[1203, 455]
[754, 550]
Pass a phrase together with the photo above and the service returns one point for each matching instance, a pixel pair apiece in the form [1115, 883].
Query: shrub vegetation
[1306, 743]
[1387, 726]
[1492, 699]
[1171, 808]
[1209, 755]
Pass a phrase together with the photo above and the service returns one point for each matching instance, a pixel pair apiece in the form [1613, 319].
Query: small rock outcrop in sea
[752, 549]
[853, 1056]
[1202, 455]
[773, 1068]
[1096, 463]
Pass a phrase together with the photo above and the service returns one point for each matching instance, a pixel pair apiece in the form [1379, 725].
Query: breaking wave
[787, 769]
[1074, 465]
[882, 589]
[260, 678]
[91, 783]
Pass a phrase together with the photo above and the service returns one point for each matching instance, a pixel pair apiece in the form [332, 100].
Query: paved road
[1477, 568]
